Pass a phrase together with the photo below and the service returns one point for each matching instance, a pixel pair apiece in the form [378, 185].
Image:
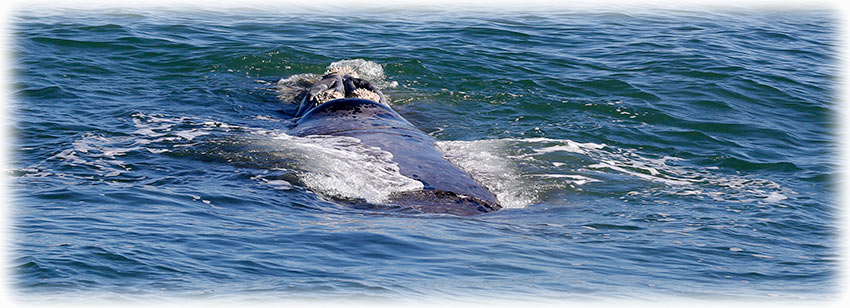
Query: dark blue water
[640, 153]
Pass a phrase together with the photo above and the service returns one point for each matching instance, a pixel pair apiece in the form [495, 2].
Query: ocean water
[640, 153]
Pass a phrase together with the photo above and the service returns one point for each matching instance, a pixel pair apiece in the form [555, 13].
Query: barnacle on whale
[365, 94]
[327, 96]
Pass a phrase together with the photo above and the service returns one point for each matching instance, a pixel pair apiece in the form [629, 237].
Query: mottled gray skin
[447, 188]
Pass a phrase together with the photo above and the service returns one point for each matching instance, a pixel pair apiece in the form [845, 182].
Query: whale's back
[447, 188]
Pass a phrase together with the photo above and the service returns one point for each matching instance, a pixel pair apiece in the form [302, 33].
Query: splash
[368, 70]
[526, 171]
[485, 161]
[339, 167]
[512, 168]
[290, 87]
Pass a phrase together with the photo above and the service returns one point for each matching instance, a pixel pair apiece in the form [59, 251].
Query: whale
[343, 105]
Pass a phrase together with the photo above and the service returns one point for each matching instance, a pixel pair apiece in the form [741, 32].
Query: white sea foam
[487, 164]
[774, 197]
[341, 167]
[512, 170]
[95, 152]
[366, 69]
[576, 179]
[522, 171]
[191, 134]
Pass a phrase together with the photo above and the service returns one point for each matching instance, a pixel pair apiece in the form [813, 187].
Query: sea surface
[639, 152]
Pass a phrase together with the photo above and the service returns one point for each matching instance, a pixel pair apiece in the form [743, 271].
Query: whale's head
[339, 82]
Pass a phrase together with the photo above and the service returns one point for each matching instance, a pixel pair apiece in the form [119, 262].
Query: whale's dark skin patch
[447, 188]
